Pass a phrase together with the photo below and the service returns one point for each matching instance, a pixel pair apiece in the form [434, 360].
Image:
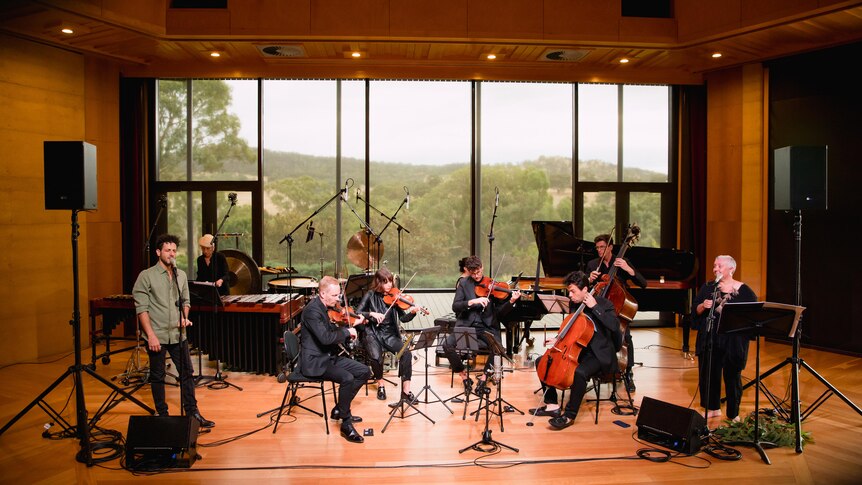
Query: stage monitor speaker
[155, 442]
[670, 426]
[70, 175]
[800, 178]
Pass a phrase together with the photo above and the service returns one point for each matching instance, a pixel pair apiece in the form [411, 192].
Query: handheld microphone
[408, 197]
[232, 198]
[310, 235]
[496, 197]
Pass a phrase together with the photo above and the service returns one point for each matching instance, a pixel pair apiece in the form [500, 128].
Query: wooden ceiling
[441, 39]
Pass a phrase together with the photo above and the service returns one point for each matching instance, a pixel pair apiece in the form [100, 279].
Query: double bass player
[597, 357]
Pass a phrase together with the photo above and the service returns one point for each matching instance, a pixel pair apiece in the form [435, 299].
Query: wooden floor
[242, 447]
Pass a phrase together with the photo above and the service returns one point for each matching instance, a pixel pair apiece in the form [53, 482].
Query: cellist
[599, 357]
[626, 273]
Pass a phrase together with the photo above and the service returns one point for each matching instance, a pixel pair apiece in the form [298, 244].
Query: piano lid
[560, 252]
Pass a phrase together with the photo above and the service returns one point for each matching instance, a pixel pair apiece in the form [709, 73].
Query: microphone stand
[182, 363]
[710, 341]
[321, 253]
[370, 232]
[219, 380]
[491, 233]
[289, 236]
[393, 221]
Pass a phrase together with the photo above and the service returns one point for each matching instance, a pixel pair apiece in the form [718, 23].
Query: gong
[243, 273]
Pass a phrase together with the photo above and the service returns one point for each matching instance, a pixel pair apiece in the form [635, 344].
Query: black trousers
[374, 346]
[721, 367]
[350, 377]
[451, 349]
[588, 366]
[182, 360]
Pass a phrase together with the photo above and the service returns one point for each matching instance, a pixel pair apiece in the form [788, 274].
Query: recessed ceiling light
[356, 54]
[716, 55]
[67, 30]
[624, 60]
[491, 57]
[215, 54]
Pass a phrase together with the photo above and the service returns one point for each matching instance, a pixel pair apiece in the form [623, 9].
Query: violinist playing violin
[384, 332]
[319, 357]
[626, 273]
[481, 312]
[598, 357]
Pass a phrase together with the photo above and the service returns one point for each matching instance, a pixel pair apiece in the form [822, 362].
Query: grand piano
[670, 275]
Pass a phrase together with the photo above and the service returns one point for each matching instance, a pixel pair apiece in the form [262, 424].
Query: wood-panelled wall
[737, 173]
[51, 94]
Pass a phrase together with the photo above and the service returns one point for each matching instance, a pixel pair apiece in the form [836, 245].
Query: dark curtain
[692, 174]
[136, 101]
[814, 100]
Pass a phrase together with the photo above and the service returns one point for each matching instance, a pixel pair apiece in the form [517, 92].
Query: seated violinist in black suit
[598, 357]
[319, 354]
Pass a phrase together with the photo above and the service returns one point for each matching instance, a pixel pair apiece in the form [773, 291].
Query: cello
[557, 367]
[610, 287]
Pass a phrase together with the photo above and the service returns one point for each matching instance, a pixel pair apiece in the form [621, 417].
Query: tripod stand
[497, 354]
[426, 339]
[487, 440]
[399, 409]
[463, 339]
[796, 415]
[82, 428]
[759, 319]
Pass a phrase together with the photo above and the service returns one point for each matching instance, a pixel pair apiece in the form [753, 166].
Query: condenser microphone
[232, 198]
[357, 196]
[408, 197]
[310, 235]
[496, 197]
[344, 190]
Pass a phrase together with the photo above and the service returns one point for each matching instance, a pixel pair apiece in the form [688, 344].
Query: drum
[305, 285]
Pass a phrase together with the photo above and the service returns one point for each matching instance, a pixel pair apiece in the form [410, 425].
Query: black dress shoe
[381, 393]
[350, 433]
[336, 415]
[543, 411]
[561, 422]
[406, 399]
[204, 422]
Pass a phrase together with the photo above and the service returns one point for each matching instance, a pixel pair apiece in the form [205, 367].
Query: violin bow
[395, 300]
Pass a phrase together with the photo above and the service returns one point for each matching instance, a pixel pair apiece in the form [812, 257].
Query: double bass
[610, 287]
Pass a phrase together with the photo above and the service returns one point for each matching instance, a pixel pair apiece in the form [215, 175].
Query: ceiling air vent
[290, 50]
[564, 55]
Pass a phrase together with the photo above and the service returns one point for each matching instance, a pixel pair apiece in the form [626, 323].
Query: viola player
[384, 332]
[626, 274]
[319, 354]
[597, 358]
[481, 312]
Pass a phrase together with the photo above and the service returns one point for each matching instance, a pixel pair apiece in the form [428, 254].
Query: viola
[397, 297]
[497, 289]
[343, 315]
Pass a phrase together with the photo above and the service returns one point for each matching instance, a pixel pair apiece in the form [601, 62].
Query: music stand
[427, 338]
[465, 341]
[357, 285]
[495, 350]
[399, 411]
[759, 319]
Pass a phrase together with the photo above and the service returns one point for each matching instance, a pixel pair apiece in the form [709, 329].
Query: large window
[526, 155]
[597, 153]
[420, 141]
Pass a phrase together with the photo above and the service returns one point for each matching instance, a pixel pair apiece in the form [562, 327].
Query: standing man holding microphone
[162, 304]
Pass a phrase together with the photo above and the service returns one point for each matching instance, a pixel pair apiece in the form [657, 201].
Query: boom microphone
[232, 198]
[408, 197]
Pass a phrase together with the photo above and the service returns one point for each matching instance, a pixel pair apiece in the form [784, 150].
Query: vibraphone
[244, 334]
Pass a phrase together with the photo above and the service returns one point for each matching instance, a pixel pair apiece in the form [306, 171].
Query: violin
[497, 289]
[343, 315]
[397, 297]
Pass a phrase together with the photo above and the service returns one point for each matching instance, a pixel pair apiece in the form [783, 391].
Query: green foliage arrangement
[772, 430]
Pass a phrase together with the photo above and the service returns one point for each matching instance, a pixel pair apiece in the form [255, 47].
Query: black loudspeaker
[800, 178]
[671, 426]
[154, 442]
[70, 175]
